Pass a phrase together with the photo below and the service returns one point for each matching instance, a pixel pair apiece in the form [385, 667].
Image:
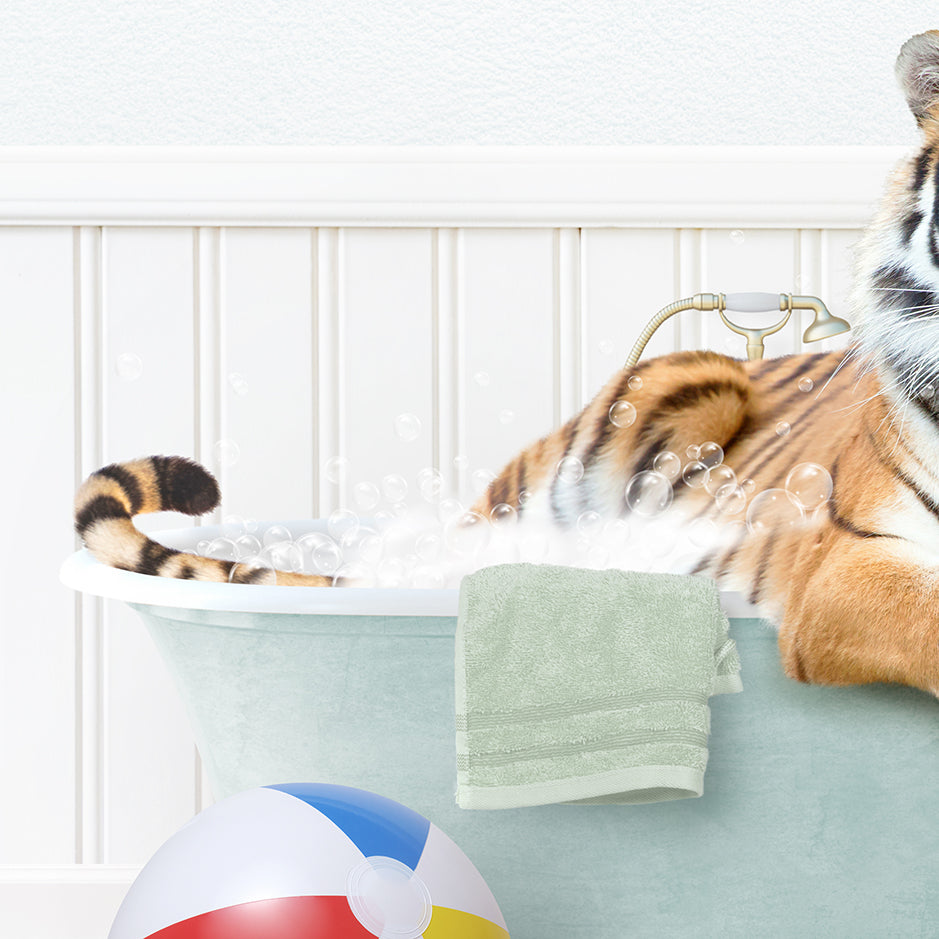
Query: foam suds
[435, 541]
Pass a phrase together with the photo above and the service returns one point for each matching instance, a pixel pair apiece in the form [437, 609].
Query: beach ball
[309, 861]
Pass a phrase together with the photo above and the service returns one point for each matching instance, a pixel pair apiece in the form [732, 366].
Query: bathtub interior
[814, 799]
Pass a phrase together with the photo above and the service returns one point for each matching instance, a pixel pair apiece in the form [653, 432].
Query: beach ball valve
[309, 861]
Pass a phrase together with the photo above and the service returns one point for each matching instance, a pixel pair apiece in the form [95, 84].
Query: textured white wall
[436, 72]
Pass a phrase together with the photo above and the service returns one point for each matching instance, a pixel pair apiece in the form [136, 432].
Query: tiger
[853, 590]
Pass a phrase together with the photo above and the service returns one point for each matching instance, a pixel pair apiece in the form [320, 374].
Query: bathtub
[819, 806]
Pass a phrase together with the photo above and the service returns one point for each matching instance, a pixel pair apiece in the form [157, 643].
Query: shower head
[825, 325]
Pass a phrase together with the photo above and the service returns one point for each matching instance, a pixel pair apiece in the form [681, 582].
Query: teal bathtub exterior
[819, 813]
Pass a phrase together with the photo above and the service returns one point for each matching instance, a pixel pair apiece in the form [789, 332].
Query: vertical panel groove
[206, 271]
[448, 371]
[810, 271]
[437, 395]
[77, 479]
[90, 664]
[329, 368]
[219, 360]
[583, 390]
[316, 470]
[677, 288]
[691, 274]
[567, 324]
[208, 351]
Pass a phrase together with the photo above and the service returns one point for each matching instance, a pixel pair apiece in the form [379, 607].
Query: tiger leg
[867, 611]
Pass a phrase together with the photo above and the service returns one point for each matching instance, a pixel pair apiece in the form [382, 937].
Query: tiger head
[896, 295]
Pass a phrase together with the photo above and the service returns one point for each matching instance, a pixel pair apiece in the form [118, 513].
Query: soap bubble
[503, 514]
[615, 532]
[308, 543]
[570, 470]
[481, 379]
[202, 546]
[253, 570]
[711, 454]
[731, 499]
[247, 546]
[703, 533]
[928, 391]
[408, 427]
[275, 533]
[524, 496]
[366, 496]
[481, 480]
[693, 451]
[589, 523]
[222, 549]
[605, 346]
[648, 493]
[694, 474]
[449, 508]
[718, 476]
[227, 452]
[783, 428]
[238, 383]
[748, 485]
[335, 469]
[806, 384]
[581, 546]
[365, 543]
[668, 464]
[428, 546]
[283, 556]
[232, 526]
[810, 485]
[506, 416]
[468, 534]
[430, 484]
[383, 518]
[371, 548]
[634, 383]
[129, 367]
[622, 414]
[326, 558]
[394, 488]
[773, 509]
[737, 237]
[342, 521]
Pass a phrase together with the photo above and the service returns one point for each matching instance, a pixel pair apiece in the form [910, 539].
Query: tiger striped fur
[855, 590]
[109, 498]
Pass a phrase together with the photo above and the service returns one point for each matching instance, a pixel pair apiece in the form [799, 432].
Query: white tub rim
[82, 572]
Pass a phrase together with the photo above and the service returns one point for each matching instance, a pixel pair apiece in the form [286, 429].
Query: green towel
[586, 686]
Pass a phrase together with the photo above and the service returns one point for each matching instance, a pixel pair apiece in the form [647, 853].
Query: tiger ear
[918, 73]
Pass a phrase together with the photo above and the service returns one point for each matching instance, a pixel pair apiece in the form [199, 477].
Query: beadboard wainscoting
[265, 310]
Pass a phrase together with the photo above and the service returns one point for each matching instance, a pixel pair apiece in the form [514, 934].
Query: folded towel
[578, 685]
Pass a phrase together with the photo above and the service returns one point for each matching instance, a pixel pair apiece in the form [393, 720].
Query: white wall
[552, 72]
